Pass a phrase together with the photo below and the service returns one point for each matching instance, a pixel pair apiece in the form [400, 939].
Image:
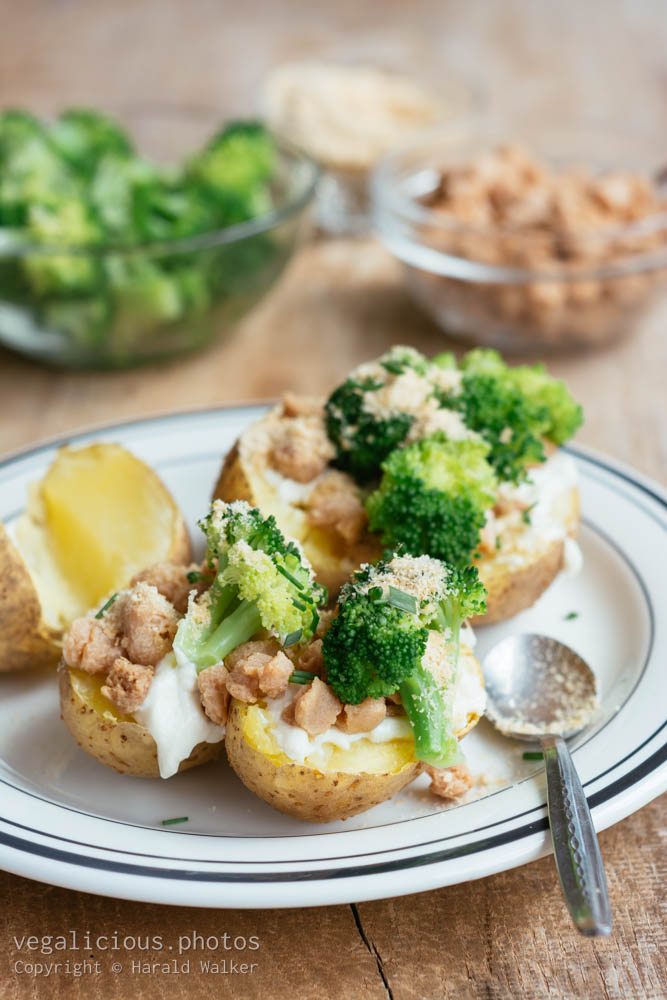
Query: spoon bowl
[538, 689]
[537, 686]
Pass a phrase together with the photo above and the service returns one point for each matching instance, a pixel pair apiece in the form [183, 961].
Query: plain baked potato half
[354, 779]
[99, 516]
[112, 738]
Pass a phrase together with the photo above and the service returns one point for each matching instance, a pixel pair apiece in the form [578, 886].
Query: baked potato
[339, 782]
[97, 517]
[521, 560]
[144, 680]
[114, 739]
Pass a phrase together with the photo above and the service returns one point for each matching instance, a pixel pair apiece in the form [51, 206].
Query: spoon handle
[575, 843]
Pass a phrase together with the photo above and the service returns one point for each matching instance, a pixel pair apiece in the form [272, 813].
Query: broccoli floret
[143, 294]
[261, 581]
[113, 194]
[433, 498]
[506, 420]
[376, 643]
[30, 168]
[239, 159]
[67, 222]
[565, 416]
[561, 416]
[82, 137]
[365, 424]
[362, 439]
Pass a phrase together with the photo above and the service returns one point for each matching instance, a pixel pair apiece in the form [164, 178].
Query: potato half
[98, 516]
[245, 476]
[525, 565]
[112, 738]
[354, 780]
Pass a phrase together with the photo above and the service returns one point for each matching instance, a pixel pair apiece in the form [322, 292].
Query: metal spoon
[541, 690]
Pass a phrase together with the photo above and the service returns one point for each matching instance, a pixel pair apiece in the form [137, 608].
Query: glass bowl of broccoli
[110, 259]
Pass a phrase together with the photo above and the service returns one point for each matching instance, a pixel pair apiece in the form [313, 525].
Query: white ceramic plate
[67, 820]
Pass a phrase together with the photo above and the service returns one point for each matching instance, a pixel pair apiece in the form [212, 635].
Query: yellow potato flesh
[362, 756]
[89, 688]
[95, 549]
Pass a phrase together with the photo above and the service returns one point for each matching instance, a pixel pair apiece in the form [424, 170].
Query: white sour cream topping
[542, 492]
[573, 557]
[289, 490]
[173, 715]
[297, 744]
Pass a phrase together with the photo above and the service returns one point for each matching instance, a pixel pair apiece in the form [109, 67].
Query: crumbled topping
[422, 576]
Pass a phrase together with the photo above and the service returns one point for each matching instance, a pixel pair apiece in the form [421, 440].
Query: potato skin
[233, 483]
[513, 589]
[119, 743]
[26, 641]
[302, 791]
[312, 795]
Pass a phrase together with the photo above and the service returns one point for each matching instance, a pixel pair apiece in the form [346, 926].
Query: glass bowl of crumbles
[553, 239]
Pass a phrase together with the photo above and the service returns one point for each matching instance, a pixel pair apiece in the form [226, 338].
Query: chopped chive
[177, 819]
[293, 638]
[375, 593]
[533, 755]
[499, 542]
[315, 622]
[288, 576]
[298, 604]
[194, 576]
[525, 515]
[301, 677]
[105, 607]
[395, 367]
[404, 602]
[570, 615]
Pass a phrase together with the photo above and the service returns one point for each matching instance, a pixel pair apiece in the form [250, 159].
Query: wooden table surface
[506, 936]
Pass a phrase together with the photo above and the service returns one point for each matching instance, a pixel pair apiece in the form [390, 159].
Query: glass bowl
[158, 300]
[497, 286]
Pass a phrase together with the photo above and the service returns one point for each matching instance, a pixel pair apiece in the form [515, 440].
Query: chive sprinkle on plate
[570, 615]
[533, 755]
[177, 819]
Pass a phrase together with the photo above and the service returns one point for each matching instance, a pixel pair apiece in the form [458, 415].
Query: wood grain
[503, 938]
[507, 936]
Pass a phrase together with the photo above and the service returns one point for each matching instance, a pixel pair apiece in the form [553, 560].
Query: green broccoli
[433, 498]
[113, 194]
[261, 581]
[240, 159]
[83, 137]
[365, 428]
[77, 183]
[560, 414]
[67, 222]
[30, 168]
[565, 416]
[376, 643]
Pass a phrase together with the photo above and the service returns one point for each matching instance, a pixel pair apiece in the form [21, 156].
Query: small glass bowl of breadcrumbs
[550, 241]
